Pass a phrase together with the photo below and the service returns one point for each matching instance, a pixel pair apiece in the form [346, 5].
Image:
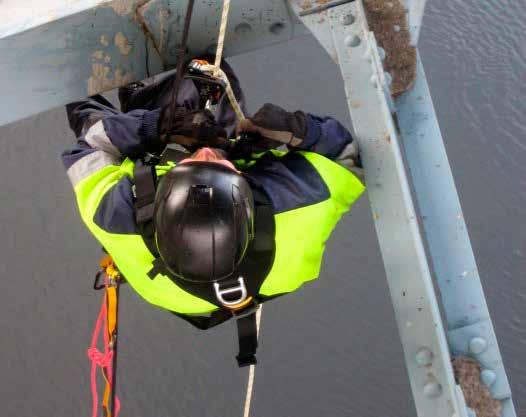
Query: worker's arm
[290, 180]
[300, 131]
[100, 127]
[100, 165]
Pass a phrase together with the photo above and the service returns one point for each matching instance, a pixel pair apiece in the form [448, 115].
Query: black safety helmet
[204, 221]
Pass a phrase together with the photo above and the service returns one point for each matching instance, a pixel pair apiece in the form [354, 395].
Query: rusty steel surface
[52, 52]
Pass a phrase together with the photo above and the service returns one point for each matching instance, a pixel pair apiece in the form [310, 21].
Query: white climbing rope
[216, 71]
[222, 33]
[251, 371]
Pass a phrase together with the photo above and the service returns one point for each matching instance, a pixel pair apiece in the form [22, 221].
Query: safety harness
[236, 296]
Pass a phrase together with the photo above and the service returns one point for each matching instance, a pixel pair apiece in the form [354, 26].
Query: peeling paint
[306, 5]
[122, 43]
[104, 40]
[102, 80]
[107, 58]
[122, 7]
[98, 55]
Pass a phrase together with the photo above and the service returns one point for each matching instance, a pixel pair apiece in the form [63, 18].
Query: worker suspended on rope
[199, 234]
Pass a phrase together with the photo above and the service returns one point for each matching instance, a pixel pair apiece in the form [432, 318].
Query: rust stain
[121, 42]
[139, 17]
[388, 21]
[356, 104]
[322, 2]
[102, 79]
[306, 5]
[478, 396]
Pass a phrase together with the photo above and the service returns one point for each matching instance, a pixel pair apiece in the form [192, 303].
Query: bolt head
[388, 78]
[381, 52]
[277, 28]
[488, 377]
[432, 389]
[243, 29]
[347, 19]
[477, 345]
[352, 41]
[424, 357]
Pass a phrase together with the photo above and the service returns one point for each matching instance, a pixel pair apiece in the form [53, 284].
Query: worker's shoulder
[289, 179]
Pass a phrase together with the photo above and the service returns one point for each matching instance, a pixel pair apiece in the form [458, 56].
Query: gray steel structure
[51, 55]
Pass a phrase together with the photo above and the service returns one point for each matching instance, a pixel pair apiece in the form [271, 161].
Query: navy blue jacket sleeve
[105, 136]
[99, 126]
[134, 133]
[325, 136]
[291, 181]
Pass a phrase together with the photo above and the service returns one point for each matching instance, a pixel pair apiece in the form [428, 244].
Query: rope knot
[101, 359]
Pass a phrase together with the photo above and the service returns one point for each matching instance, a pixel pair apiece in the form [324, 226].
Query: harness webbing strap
[145, 187]
[144, 178]
[248, 340]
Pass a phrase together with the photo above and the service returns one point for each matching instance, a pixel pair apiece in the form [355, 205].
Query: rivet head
[388, 78]
[488, 377]
[347, 19]
[277, 28]
[243, 29]
[424, 357]
[381, 52]
[396, 28]
[352, 41]
[477, 345]
[432, 389]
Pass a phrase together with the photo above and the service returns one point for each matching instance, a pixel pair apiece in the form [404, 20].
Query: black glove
[192, 129]
[276, 125]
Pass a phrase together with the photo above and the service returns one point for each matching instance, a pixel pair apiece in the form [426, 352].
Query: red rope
[102, 360]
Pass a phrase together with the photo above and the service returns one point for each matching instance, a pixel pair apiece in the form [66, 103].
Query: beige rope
[216, 70]
[251, 371]
[222, 33]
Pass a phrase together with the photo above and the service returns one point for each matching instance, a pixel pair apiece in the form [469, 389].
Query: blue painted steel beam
[468, 326]
[470, 330]
[415, 304]
[415, 14]
[53, 53]
[46, 62]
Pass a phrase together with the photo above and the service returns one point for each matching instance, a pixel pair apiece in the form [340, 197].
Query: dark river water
[333, 348]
